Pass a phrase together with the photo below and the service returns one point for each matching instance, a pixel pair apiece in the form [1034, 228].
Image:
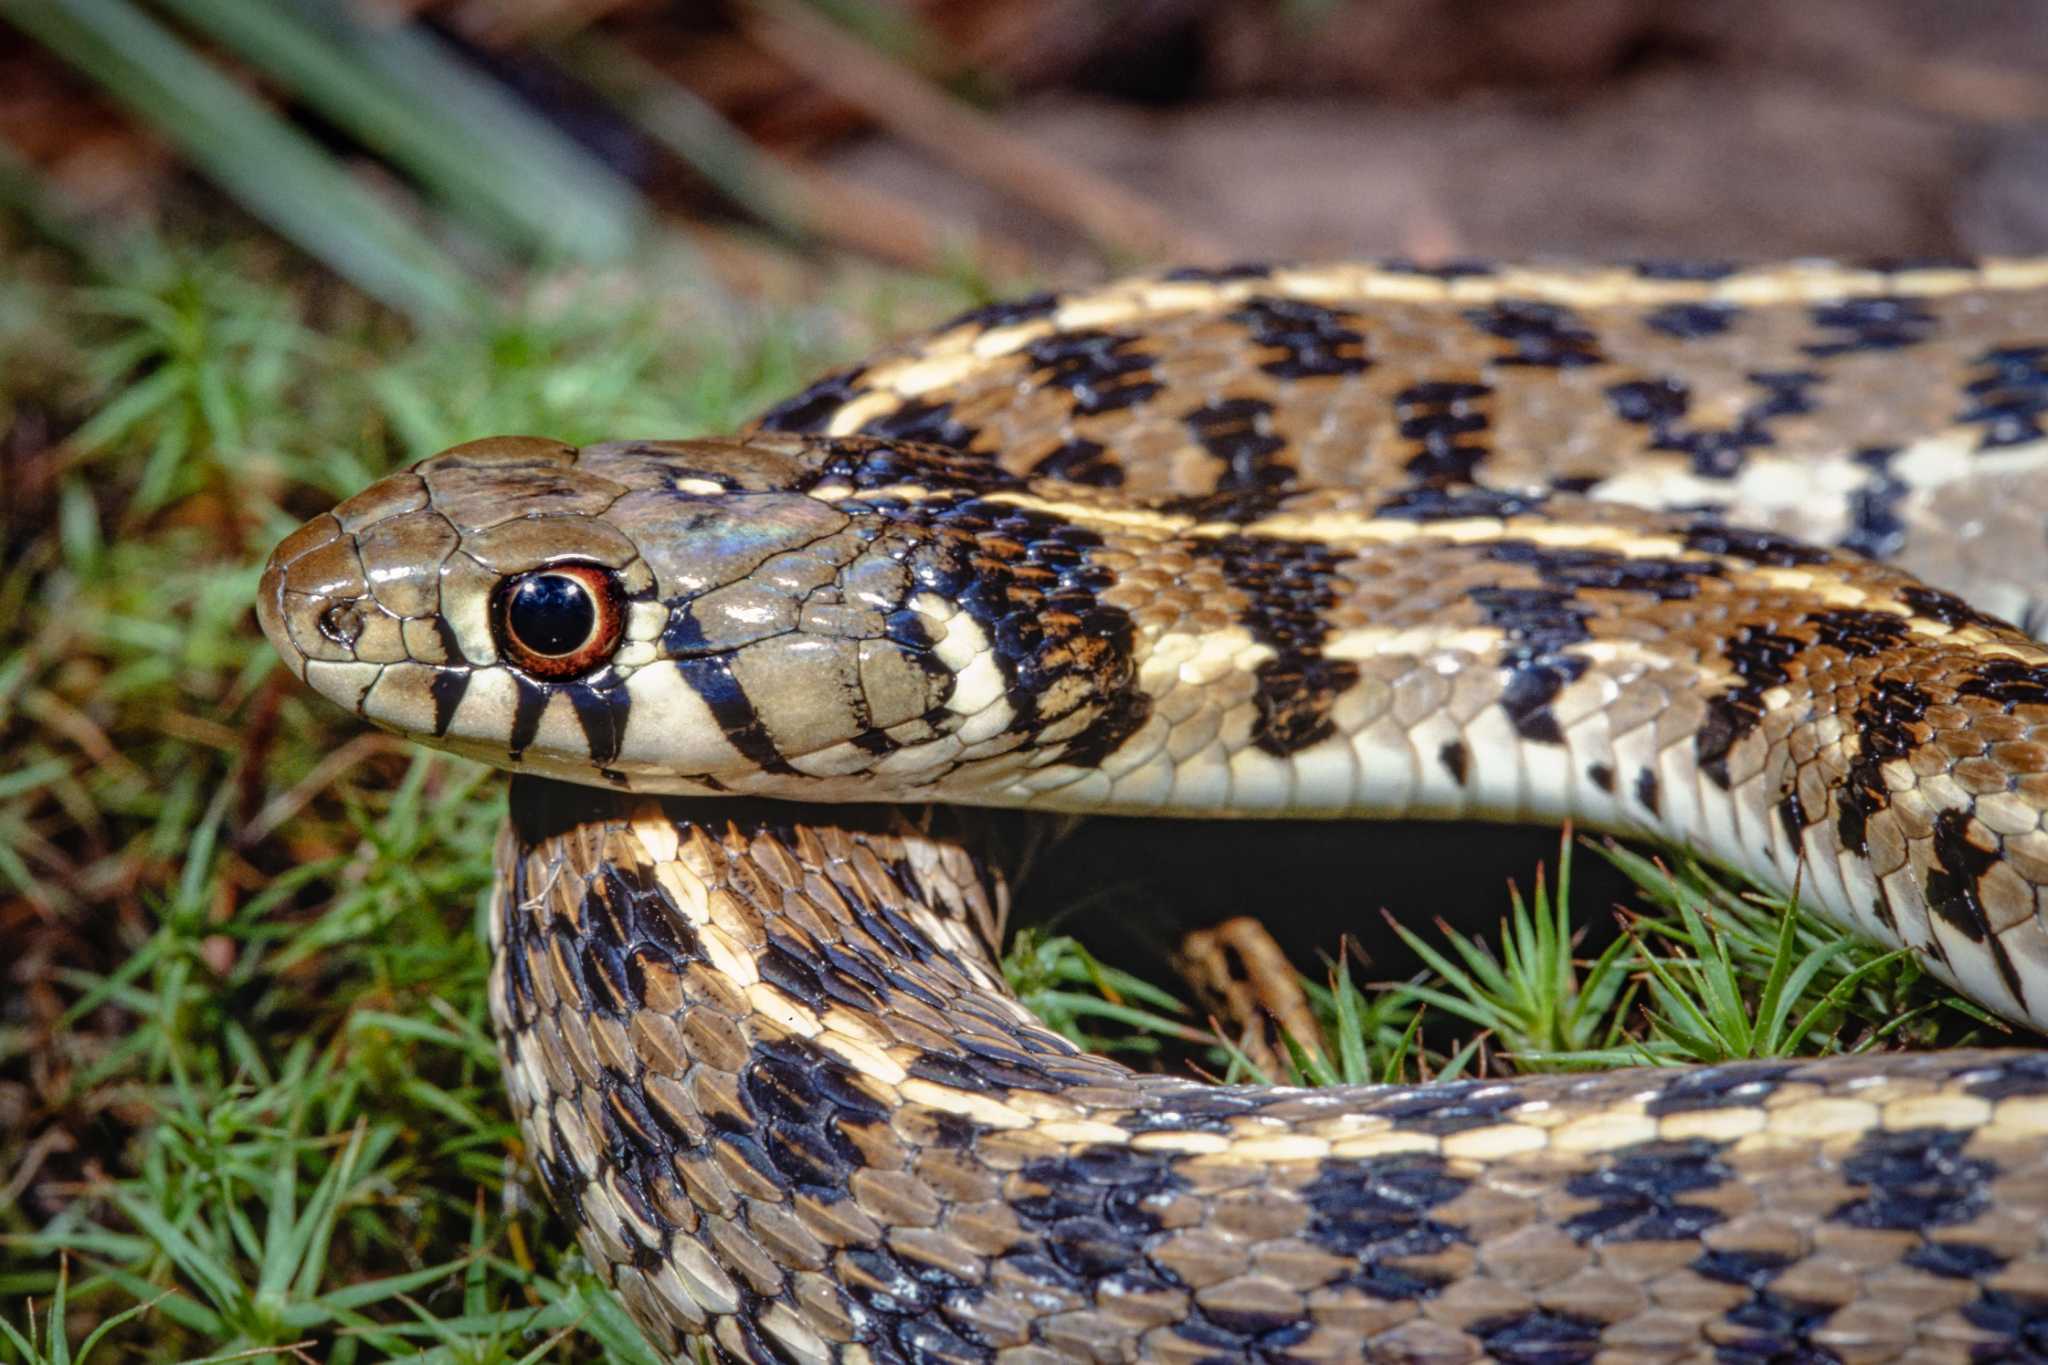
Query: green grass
[249, 1107]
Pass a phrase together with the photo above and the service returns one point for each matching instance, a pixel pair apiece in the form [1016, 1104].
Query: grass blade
[407, 96]
[275, 172]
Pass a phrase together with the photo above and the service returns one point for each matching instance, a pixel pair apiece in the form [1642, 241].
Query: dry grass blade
[798, 201]
[272, 170]
[972, 145]
[468, 141]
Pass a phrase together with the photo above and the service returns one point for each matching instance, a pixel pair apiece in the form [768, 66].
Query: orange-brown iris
[561, 621]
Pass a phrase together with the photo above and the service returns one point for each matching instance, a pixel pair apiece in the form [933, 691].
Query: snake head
[823, 619]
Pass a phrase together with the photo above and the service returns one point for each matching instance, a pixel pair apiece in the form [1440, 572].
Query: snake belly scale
[1348, 541]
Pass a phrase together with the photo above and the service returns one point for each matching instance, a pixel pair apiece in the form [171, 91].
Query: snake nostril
[342, 623]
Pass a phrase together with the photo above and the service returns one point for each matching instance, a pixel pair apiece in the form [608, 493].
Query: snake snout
[317, 608]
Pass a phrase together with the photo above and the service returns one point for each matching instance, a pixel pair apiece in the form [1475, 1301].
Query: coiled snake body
[1339, 541]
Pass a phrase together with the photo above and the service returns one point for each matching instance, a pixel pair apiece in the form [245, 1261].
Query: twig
[285, 805]
[970, 143]
[799, 201]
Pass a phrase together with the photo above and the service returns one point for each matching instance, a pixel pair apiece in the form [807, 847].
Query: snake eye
[562, 621]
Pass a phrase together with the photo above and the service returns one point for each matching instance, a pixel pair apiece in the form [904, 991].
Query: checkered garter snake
[1720, 558]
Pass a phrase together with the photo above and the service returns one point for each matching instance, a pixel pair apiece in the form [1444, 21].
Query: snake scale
[1718, 557]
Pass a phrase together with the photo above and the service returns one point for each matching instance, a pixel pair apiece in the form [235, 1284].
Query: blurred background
[410, 145]
[255, 253]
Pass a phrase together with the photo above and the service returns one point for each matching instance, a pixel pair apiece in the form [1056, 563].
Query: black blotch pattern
[1456, 759]
[1886, 719]
[1546, 335]
[1692, 321]
[1542, 623]
[1759, 658]
[711, 677]
[1751, 1269]
[1792, 816]
[922, 420]
[1437, 414]
[1025, 578]
[808, 1103]
[1538, 1337]
[1711, 536]
[867, 464]
[1377, 1211]
[1715, 453]
[1702, 271]
[1601, 775]
[1238, 506]
[447, 687]
[1451, 1107]
[1194, 1108]
[1914, 1179]
[1736, 1085]
[2009, 396]
[1237, 431]
[1316, 341]
[1895, 265]
[625, 927]
[529, 703]
[1775, 1330]
[1858, 634]
[1640, 1194]
[1082, 461]
[1101, 371]
[981, 1073]
[810, 410]
[602, 705]
[2009, 683]
[1288, 586]
[1577, 570]
[1005, 312]
[2021, 1318]
[559, 1175]
[2018, 1074]
[1649, 792]
[784, 966]
[1090, 1216]
[1955, 1260]
[1219, 274]
[1945, 607]
[902, 1300]
[1875, 527]
[1883, 323]
[1953, 890]
[1430, 502]
[1093, 1208]
[1463, 268]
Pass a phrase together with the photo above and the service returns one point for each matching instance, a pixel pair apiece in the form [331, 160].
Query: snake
[1746, 561]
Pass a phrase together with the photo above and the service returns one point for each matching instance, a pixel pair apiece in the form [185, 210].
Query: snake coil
[1343, 541]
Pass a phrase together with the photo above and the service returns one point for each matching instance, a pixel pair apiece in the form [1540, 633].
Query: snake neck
[750, 1055]
[825, 619]
[769, 1070]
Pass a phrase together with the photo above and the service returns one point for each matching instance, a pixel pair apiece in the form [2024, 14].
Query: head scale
[802, 617]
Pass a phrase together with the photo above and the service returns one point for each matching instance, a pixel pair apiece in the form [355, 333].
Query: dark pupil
[551, 613]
